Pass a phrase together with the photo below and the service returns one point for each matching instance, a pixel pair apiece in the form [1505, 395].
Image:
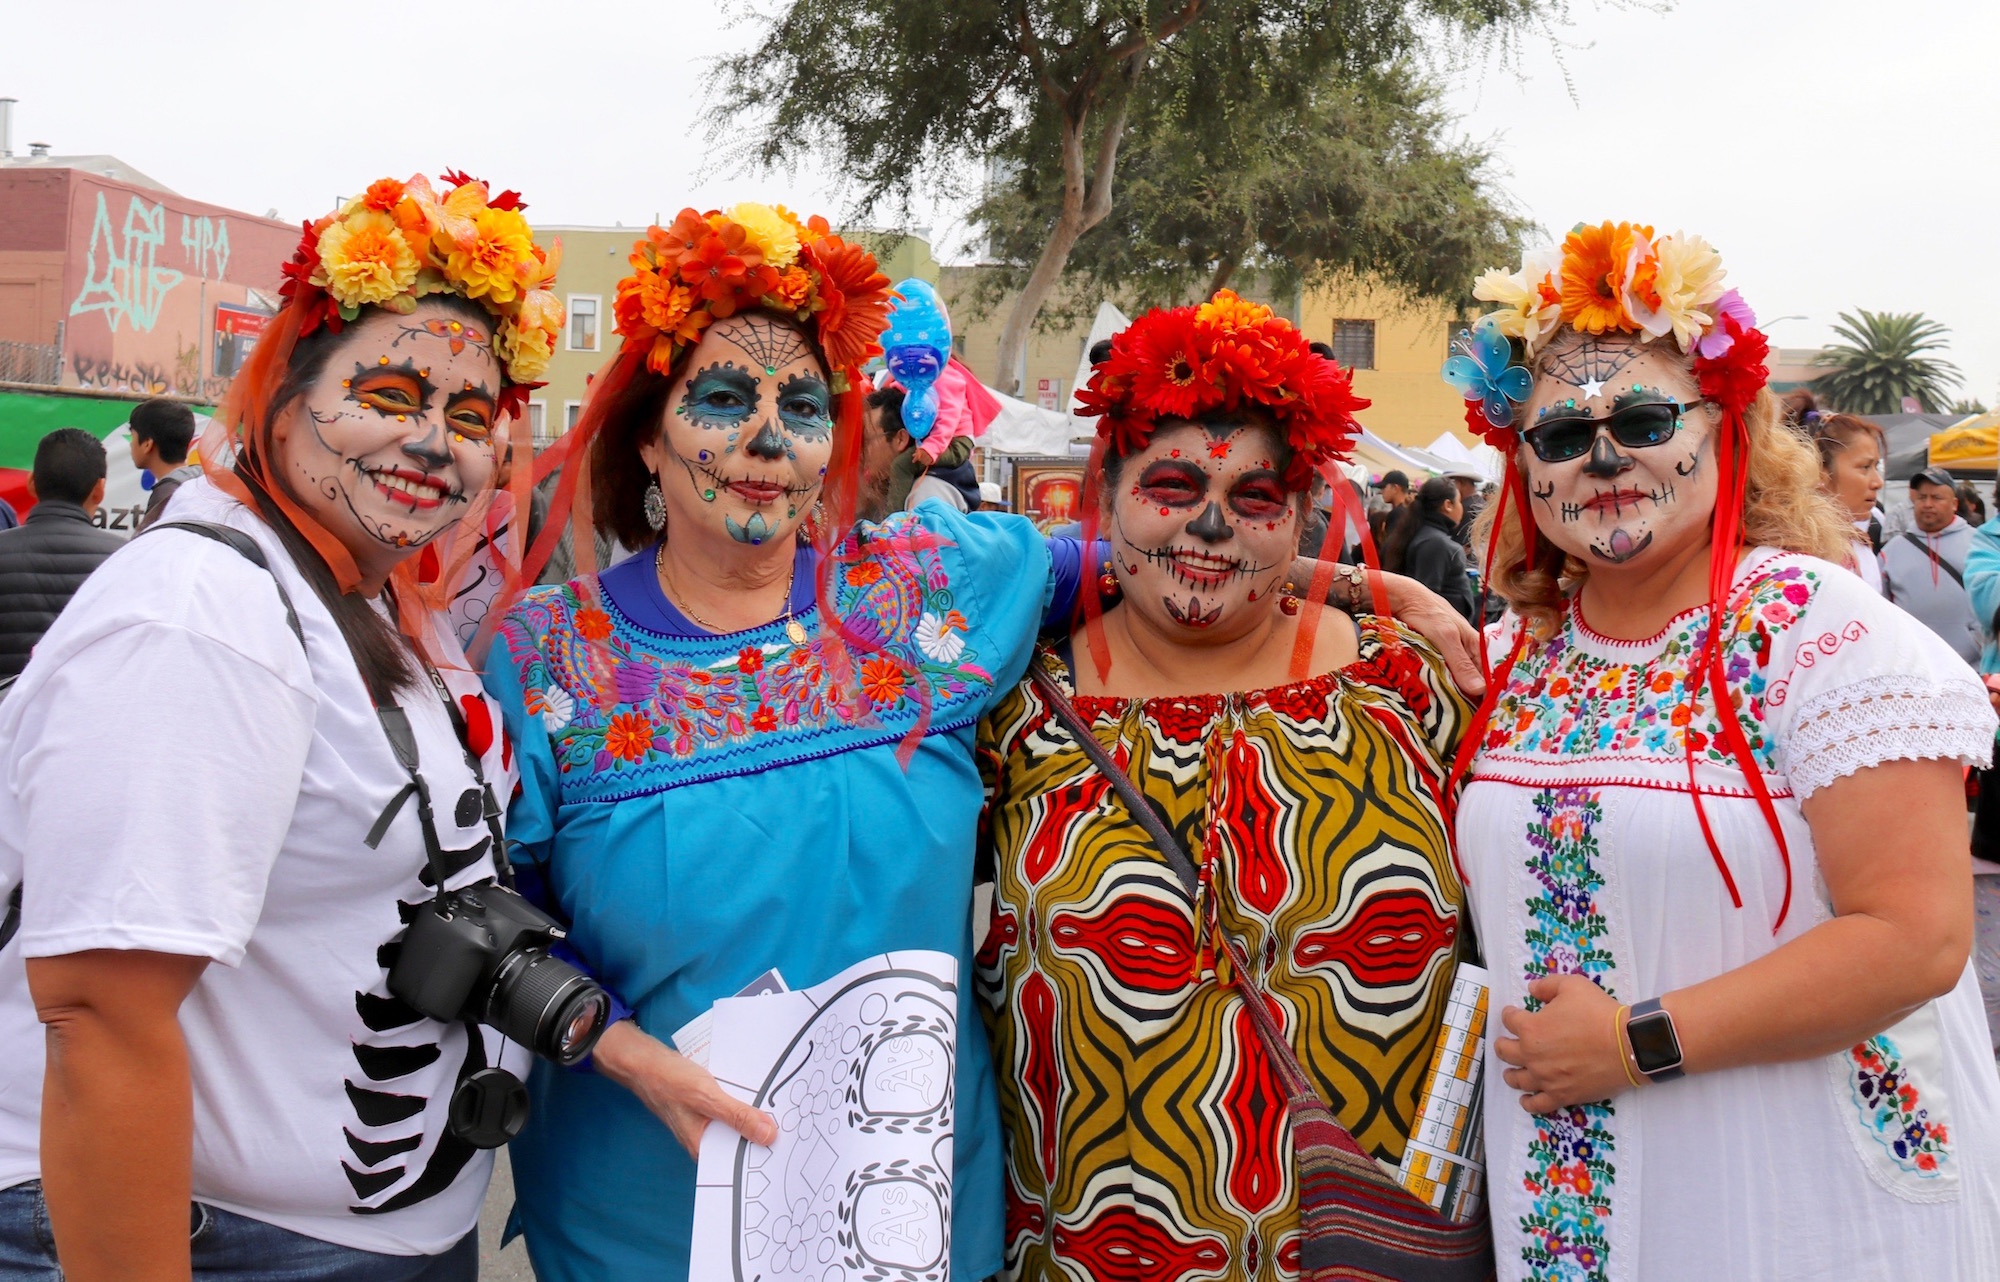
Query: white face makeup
[395, 439]
[748, 433]
[1643, 486]
[1203, 532]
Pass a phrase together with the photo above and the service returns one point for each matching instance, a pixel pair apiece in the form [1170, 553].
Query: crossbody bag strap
[1936, 560]
[1283, 1059]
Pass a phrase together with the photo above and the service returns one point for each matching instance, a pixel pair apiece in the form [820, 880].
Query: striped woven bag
[1360, 1224]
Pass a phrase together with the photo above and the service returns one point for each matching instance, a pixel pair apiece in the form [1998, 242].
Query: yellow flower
[501, 255]
[525, 349]
[1687, 279]
[769, 232]
[1530, 303]
[364, 259]
[1229, 311]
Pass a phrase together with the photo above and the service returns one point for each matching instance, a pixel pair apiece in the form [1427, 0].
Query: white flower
[1530, 300]
[1688, 281]
[939, 636]
[556, 707]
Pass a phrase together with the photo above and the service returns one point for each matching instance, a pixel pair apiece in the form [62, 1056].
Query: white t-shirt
[178, 775]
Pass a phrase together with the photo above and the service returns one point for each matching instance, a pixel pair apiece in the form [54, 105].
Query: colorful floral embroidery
[1892, 1109]
[1646, 706]
[1570, 1173]
[628, 711]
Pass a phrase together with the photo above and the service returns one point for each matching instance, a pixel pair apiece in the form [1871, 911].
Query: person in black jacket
[45, 560]
[1423, 543]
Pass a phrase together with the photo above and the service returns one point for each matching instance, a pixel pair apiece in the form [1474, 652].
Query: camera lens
[547, 1005]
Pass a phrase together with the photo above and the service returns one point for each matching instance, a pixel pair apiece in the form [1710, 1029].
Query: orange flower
[857, 302]
[594, 623]
[383, 194]
[678, 241]
[1593, 275]
[629, 736]
[863, 573]
[882, 681]
[794, 291]
[1228, 310]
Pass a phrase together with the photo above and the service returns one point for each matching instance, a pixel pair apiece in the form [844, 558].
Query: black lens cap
[489, 1108]
[469, 809]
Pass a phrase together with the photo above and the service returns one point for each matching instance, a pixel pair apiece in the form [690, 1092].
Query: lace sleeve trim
[1888, 718]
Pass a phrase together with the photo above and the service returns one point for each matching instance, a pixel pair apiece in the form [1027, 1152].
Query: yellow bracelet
[1618, 1044]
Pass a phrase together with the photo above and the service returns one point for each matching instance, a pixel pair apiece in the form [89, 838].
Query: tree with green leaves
[1883, 360]
[902, 93]
[1357, 174]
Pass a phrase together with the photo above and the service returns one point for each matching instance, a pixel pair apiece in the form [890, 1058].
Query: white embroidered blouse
[1583, 853]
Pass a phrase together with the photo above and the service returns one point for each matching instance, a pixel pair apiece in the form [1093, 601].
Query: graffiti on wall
[205, 242]
[122, 276]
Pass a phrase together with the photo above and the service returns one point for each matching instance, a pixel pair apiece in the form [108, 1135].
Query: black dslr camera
[481, 953]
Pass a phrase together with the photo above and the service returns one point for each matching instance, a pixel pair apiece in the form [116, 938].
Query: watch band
[1656, 1045]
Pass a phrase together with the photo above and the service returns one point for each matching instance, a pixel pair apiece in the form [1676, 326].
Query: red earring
[1289, 602]
[1107, 583]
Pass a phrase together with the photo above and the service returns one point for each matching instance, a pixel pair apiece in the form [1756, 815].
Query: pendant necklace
[794, 630]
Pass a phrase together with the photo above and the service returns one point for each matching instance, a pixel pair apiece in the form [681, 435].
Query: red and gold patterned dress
[1146, 1134]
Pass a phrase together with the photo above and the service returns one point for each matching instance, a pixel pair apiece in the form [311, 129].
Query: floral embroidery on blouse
[1570, 1173]
[1892, 1109]
[628, 710]
[1563, 700]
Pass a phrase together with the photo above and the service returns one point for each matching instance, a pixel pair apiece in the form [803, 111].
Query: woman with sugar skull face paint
[1720, 871]
[1300, 758]
[210, 913]
[751, 746]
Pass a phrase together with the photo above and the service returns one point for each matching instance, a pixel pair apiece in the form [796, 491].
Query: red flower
[750, 660]
[764, 721]
[1169, 377]
[593, 623]
[1733, 379]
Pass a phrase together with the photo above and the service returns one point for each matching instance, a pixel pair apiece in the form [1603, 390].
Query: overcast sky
[1840, 154]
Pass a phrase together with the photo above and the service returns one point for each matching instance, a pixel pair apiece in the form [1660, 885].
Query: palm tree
[1882, 362]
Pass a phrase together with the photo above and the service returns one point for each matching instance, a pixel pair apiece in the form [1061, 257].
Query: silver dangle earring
[656, 505]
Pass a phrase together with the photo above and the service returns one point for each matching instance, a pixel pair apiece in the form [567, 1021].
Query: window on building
[572, 411]
[583, 322]
[538, 422]
[1354, 343]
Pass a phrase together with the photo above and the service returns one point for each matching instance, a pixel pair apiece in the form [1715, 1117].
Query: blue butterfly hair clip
[1483, 370]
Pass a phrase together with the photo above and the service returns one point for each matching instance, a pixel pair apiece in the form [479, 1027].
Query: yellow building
[1395, 348]
[594, 258]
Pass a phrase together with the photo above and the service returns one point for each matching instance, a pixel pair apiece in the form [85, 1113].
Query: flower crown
[399, 242]
[1189, 361]
[708, 267]
[1611, 277]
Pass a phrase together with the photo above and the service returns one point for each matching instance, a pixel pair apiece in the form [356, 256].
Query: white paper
[691, 1039]
[1444, 1164]
[858, 1072]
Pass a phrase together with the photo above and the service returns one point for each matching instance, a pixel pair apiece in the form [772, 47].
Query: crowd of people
[1694, 798]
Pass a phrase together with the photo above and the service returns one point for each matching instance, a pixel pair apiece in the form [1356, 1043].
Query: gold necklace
[794, 630]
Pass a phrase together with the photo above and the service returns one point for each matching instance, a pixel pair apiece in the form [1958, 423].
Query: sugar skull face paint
[395, 438]
[1617, 449]
[748, 432]
[1202, 529]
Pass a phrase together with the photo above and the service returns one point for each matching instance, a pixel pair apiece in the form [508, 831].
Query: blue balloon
[915, 347]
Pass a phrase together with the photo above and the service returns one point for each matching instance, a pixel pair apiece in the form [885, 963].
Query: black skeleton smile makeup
[1203, 529]
[389, 446]
[1624, 429]
[745, 446]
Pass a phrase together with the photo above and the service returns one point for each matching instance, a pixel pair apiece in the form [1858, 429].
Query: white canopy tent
[1022, 428]
[1108, 321]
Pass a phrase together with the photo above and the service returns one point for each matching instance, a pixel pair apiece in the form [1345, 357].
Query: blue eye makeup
[720, 396]
[805, 405]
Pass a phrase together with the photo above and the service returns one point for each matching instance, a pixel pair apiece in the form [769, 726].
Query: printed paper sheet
[1445, 1161]
[858, 1072]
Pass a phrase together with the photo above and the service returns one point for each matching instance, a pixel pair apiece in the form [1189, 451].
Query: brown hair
[618, 478]
[1783, 507]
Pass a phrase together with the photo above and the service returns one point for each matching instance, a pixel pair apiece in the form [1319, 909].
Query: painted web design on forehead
[1588, 363]
[767, 342]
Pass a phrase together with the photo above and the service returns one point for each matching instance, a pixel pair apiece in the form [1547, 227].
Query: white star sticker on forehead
[1591, 388]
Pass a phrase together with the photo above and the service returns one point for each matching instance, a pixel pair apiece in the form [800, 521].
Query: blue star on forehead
[1483, 370]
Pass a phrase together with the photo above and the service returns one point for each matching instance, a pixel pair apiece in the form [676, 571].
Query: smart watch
[1656, 1049]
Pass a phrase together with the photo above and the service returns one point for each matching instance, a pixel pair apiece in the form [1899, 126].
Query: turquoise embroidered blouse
[704, 808]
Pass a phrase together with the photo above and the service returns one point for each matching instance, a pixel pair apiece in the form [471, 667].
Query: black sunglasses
[1635, 427]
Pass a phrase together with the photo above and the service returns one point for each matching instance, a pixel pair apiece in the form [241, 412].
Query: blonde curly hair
[1783, 507]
